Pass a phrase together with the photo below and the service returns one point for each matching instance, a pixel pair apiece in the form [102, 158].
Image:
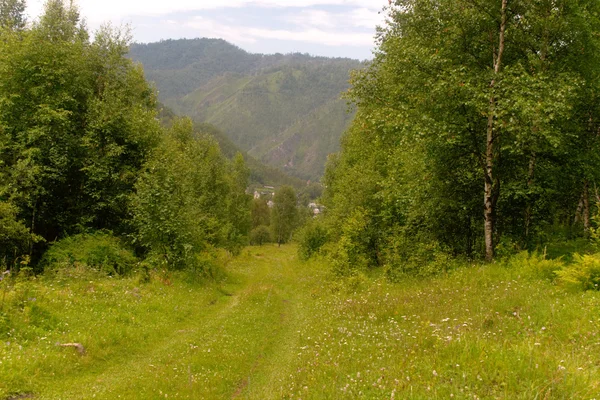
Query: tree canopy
[82, 148]
[477, 125]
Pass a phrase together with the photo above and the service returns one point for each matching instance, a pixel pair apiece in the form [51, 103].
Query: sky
[334, 28]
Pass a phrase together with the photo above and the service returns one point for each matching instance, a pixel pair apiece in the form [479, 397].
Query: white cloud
[241, 34]
[316, 36]
[366, 18]
[313, 18]
[300, 23]
[357, 18]
[205, 27]
[95, 10]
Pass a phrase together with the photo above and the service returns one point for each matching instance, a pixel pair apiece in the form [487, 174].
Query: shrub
[583, 274]
[352, 251]
[312, 237]
[260, 235]
[100, 251]
[414, 256]
[535, 265]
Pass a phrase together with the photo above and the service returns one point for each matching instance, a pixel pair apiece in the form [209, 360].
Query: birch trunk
[586, 209]
[491, 189]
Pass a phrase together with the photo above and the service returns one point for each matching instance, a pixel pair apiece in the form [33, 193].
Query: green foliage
[311, 238]
[350, 255]
[535, 265]
[100, 251]
[582, 274]
[440, 123]
[284, 215]
[77, 122]
[260, 212]
[188, 200]
[12, 15]
[15, 238]
[238, 213]
[410, 256]
[260, 235]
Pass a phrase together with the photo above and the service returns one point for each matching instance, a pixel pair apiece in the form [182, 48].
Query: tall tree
[260, 212]
[12, 15]
[463, 107]
[77, 123]
[284, 215]
[180, 206]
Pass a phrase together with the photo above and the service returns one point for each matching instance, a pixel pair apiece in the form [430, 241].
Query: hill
[260, 173]
[284, 110]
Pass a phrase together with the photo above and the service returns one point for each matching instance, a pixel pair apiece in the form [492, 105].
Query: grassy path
[229, 344]
[278, 329]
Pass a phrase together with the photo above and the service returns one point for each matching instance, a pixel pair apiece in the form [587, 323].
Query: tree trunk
[488, 200]
[586, 209]
[579, 211]
[491, 190]
[529, 208]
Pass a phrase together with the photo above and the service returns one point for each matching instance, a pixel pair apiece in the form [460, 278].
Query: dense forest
[284, 110]
[85, 153]
[477, 133]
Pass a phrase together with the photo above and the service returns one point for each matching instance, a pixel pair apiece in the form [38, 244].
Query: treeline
[82, 150]
[277, 217]
[478, 131]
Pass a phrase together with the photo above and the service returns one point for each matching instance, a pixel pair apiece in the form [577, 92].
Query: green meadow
[274, 327]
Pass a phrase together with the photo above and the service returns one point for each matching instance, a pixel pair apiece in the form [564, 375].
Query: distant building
[317, 209]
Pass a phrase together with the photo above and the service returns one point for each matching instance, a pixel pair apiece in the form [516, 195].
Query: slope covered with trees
[284, 110]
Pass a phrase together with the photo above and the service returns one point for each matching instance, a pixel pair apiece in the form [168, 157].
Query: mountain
[283, 110]
[260, 174]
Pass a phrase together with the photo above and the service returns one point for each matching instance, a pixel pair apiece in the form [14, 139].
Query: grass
[280, 328]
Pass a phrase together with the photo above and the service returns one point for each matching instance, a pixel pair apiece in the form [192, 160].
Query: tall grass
[276, 327]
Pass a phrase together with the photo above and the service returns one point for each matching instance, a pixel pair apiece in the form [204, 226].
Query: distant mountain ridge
[284, 110]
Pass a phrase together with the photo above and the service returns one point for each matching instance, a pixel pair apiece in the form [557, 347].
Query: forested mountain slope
[284, 110]
[260, 173]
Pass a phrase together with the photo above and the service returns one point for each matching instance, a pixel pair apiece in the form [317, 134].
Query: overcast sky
[337, 28]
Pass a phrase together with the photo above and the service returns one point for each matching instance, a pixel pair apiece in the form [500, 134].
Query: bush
[354, 249]
[535, 265]
[260, 235]
[414, 256]
[583, 274]
[312, 237]
[100, 251]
